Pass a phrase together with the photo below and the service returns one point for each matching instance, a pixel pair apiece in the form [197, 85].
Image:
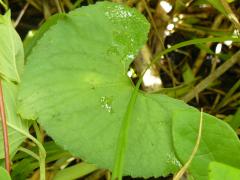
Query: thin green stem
[76, 4]
[42, 152]
[3, 119]
[29, 152]
[42, 155]
[4, 5]
[37, 131]
[123, 135]
[191, 42]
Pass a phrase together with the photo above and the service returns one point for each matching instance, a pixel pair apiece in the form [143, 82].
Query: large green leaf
[218, 142]
[11, 50]
[11, 66]
[75, 84]
[219, 171]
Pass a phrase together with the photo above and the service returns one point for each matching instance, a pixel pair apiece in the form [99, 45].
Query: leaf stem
[29, 152]
[123, 135]
[5, 130]
[42, 152]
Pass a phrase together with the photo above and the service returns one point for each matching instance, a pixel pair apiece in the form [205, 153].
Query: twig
[42, 154]
[231, 16]
[5, 131]
[59, 6]
[21, 15]
[212, 77]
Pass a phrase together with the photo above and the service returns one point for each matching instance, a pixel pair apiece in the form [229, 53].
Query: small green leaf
[218, 143]
[220, 171]
[4, 174]
[11, 50]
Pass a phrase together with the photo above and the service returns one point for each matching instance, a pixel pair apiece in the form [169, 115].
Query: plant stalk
[5, 131]
[42, 154]
[212, 77]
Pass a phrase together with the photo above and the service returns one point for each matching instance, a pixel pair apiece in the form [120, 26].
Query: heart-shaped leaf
[75, 84]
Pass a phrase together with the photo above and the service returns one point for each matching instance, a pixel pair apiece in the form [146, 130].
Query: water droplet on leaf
[106, 103]
[171, 159]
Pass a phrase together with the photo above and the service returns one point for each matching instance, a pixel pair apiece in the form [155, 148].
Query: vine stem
[5, 130]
